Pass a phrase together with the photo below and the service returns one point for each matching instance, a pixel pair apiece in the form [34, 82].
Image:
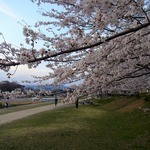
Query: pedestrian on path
[56, 100]
[77, 102]
[6, 102]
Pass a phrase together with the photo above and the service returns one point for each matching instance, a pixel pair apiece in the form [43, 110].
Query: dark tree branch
[63, 61]
[133, 74]
[81, 48]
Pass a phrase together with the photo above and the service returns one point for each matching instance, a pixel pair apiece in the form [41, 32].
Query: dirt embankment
[124, 105]
[132, 106]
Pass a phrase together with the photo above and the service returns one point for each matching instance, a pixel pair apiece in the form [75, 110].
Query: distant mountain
[45, 87]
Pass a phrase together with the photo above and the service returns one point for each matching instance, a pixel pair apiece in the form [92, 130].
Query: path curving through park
[6, 118]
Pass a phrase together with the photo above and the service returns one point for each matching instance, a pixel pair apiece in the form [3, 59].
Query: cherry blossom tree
[104, 44]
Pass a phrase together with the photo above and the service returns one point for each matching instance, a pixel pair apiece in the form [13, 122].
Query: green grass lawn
[90, 127]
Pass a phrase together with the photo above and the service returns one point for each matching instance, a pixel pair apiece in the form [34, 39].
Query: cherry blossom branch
[142, 10]
[81, 48]
[133, 74]
[63, 61]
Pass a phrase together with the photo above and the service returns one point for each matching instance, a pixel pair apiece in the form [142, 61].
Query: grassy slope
[95, 127]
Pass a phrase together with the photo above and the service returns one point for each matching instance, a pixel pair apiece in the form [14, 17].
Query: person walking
[56, 100]
[77, 102]
[6, 102]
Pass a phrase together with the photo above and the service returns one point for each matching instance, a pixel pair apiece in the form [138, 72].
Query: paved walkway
[6, 118]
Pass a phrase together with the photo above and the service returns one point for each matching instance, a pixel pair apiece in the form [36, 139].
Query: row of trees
[104, 44]
[10, 86]
[15, 90]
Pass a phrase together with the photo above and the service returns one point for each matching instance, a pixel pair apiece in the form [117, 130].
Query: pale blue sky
[12, 12]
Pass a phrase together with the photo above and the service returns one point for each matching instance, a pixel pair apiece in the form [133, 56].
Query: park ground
[107, 124]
